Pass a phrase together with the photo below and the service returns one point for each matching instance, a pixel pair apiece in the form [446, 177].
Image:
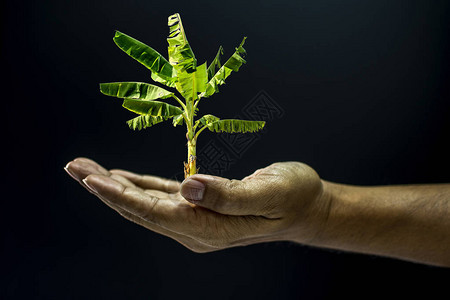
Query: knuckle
[232, 187]
[228, 193]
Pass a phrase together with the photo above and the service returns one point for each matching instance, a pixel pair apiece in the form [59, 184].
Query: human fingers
[81, 167]
[150, 181]
[203, 225]
[188, 242]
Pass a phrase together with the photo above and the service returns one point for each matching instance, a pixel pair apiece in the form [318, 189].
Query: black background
[364, 86]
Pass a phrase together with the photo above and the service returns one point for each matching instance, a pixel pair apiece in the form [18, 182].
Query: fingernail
[92, 189]
[66, 168]
[192, 189]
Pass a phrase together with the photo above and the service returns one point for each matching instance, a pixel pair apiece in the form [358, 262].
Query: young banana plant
[193, 82]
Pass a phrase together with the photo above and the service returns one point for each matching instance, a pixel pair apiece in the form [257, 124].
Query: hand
[284, 201]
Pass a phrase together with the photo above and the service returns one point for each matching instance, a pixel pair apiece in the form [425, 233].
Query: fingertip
[192, 189]
[85, 159]
[66, 168]
[204, 178]
[67, 165]
[68, 171]
[102, 184]
[82, 168]
[89, 186]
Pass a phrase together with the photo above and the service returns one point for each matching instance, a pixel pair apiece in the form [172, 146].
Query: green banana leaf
[215, 64]
[178, 120]
[144, 121]
[134, 90]
[232, 64]
[181, 56]
[214, 124]
[162, 70]
[207, 119]
[190, 84]
[152, 108]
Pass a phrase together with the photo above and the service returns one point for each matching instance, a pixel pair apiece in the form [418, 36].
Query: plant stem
[192, 157]
[198, 132]
[190, 168]
[179, 101]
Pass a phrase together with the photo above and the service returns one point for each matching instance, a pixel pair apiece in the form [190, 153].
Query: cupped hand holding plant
[283, 201]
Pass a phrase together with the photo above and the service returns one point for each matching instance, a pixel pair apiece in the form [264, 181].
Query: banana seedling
[181, 72]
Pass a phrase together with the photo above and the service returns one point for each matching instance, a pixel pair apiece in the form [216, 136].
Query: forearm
[407, 222]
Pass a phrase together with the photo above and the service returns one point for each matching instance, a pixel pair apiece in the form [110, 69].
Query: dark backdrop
[365, 93]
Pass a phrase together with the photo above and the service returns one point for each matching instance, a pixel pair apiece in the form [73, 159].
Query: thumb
[225, 196]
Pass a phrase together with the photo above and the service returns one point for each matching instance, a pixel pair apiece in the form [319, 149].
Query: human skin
[286, 201]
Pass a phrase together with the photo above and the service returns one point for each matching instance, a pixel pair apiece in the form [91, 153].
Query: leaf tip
[102, 87]
[117, 33]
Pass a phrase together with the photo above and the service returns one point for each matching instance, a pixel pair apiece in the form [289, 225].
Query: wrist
[312, 222]
[331, 197]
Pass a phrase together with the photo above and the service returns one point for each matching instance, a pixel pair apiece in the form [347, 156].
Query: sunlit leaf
[232, 64]
[178, 120]
[144, 121]
[152, 108]
[181, 56]
[214, 124]
[190, 84]
[207, 119]
[215, 64]
[134, 90]
[162, 70]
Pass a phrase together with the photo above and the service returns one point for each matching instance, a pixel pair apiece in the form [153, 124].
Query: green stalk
[192, 158]
[190, 168]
